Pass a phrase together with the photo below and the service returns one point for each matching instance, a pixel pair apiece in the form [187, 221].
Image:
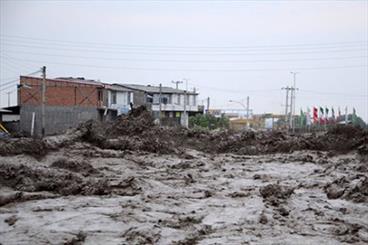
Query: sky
[226, 50]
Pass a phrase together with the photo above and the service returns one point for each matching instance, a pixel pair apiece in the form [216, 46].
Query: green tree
[208, 121]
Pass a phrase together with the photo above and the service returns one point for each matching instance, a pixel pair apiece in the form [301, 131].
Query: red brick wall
[58, 93]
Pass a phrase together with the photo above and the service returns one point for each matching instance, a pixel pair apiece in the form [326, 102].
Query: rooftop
[154, 89]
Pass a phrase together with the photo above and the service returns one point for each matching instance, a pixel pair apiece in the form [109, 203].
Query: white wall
[122, 101]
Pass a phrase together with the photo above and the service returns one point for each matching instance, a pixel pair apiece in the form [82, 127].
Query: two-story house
[176, 104]
[118, 98]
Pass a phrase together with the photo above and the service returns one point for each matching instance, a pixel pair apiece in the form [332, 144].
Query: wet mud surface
[306, 197]
[130, 182]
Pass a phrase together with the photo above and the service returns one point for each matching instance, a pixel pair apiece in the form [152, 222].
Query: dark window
[113, 97]
[99, 94]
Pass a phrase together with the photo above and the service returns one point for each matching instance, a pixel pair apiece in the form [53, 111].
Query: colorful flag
[308, 117]
[315, 115]
[302, 118]
[321, 115]
[326, 114]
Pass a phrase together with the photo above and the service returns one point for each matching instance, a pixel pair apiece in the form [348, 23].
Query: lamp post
[246, 108]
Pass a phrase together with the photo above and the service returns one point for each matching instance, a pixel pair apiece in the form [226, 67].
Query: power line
[193, 70]
[189, 61]
[185, 47]
[333, 93]
[212, 53]
[16, 80]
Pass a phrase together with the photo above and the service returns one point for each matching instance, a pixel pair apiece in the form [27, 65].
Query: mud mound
[24, 178]
[276, 194]
[355, 189]
[30, 146]
[135, 131]
[347, 131]
[137, 122]
[74, 166]
[253, 143]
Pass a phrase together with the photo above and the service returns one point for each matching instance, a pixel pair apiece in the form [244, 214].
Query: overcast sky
[227, 49]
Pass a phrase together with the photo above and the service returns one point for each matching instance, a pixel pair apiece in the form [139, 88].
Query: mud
[33, 147]
[137, 132]
[354, 188]
[75, 166]
[128, 182]
[36, 179]
[150, 198]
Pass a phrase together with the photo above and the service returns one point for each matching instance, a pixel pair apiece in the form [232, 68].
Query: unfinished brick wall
[59, 93]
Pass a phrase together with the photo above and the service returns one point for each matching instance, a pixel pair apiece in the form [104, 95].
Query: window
[187, 99]
[99, 95]
[178, 99]
[113, 97]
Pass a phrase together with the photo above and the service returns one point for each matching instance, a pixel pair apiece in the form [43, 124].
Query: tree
[208, 121]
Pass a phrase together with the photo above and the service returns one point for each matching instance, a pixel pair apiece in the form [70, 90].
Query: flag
[308, 117]
[346, 115]
[326, 114]
[302, 118]
[333, 113]
[339, 113]
[321, 115]
[315, 114]
[354, 117]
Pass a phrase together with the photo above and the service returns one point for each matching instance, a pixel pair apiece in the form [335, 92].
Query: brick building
[61, 92]
[69, 101]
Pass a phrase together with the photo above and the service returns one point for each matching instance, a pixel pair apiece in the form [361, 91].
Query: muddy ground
[102, 184]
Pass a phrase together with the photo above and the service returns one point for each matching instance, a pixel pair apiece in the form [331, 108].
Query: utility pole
[185, 118]
[43, 93]
[8, 93]
[177, 83]
[287, 89]
[208, 105]
[292, 104]
[247, 107]
[159, 113]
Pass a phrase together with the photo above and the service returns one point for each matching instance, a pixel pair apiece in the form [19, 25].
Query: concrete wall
[57, 118]
[139, 98]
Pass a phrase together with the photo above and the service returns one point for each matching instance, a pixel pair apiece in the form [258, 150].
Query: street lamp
[240, 103]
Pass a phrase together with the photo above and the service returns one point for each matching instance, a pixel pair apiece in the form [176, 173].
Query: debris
[276, 194]
[11, 220]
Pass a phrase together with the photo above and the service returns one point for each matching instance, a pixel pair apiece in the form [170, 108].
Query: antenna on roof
[177, 83]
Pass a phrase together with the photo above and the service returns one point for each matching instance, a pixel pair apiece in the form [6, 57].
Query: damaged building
[176, 104]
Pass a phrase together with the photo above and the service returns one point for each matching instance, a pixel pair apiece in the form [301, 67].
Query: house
[68, 102]
[174, 102]
[118, 99]
[9, 118]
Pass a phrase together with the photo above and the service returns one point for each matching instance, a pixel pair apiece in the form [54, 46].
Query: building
[9, 118]
[68, 102]
[176, 104]
[117, 99]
